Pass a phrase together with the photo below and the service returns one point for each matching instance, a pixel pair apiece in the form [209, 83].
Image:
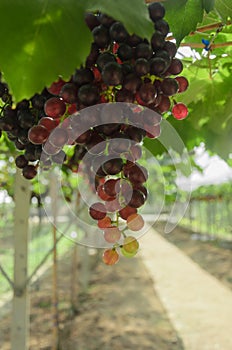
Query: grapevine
[131, 81]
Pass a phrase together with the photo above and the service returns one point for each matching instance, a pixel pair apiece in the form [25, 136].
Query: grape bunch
[131, 81]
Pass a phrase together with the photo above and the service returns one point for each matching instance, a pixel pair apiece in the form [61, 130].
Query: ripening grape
[135, 222]
[55, 107]
[105, 222]
[110, 256]
[112, 234]
[179, 111]
[183, 83]
[130, 246]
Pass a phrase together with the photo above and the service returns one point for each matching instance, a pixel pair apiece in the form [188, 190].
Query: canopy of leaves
[42, 40]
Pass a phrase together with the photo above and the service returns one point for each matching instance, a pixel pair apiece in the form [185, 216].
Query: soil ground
[120, 309]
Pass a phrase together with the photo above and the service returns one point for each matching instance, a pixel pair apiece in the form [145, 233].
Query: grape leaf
[183, 16]
[224, 8]
[133, 13]
[40, 40]
[208, 5]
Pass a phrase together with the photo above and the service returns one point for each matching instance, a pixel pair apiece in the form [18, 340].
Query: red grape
[179, 111]
[135, 222]
[126, 212]
[38, 134]
[55, 107]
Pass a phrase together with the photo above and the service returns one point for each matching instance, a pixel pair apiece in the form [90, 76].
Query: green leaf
[133, 13]
[208, 5]
[41, 40]
[224, 8]
[183, 16]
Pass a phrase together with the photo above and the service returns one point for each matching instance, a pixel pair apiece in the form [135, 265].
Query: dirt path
[199, 306]
[120, 311]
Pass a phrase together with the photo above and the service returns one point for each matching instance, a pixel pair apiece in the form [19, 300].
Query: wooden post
[55, 311]
[20, 314]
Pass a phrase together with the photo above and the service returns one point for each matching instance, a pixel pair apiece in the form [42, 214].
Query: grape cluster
[122, 71]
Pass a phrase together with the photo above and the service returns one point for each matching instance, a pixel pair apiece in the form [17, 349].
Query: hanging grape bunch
[121, 72]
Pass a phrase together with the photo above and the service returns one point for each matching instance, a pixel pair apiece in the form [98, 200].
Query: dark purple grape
[118, 32]
[175, 67]
[107, 129]
[88, 95]
[23, 136]
[26, 119]
[83, 76]
[104, 58]
[158, 66]
[136, 174]
[169, 86]
[106, 20]
[127, 68]
[142, 66]
[119, 144]
[19, 145]
[147, 93]
[101, 36]
[29, 172]
[38, 101]
[132, 82]
[79, 153]
[92, 57]
[124, 95]
[164, 104]
[30, 153]
[113, 166]
[112, 74]
[162, 26]
[143, 50]
[133, 40]
[137, 199]
[125, 52]
[21, 161]
[156, 11]
[69, 93]
[91, 20]
[171, 48]
[157, 41]
[134, 133]
[96, 144]
[84, 138]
